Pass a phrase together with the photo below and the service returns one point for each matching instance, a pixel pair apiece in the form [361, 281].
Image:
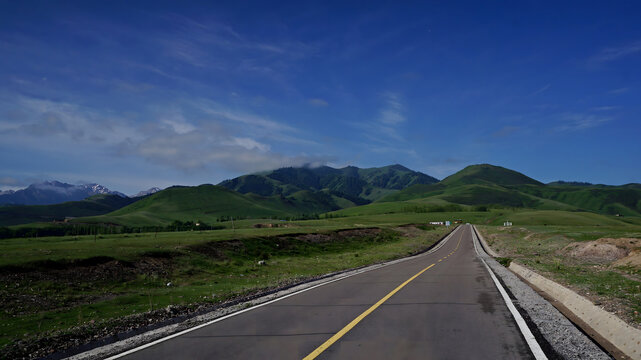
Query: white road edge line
[158, 341]
[525, 330]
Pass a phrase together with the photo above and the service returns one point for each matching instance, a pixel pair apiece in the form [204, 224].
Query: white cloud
[220, 139]
[578, 122]
[541, 90]
[619, 91]
[392, 112]
[61, 120]
[615, 53]
[605, 108]
[247, 143]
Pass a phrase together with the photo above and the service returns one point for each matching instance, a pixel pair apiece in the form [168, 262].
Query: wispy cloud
[220, 137]
[317, 102]
[615, 53]
[383, 131]
[578, 122]
[541, 90]
[51, 119]
[218, 45]
[619, 91]
[605, 108]
[392, 112]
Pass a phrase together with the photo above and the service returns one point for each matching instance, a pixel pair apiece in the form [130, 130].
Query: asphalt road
[449, 309]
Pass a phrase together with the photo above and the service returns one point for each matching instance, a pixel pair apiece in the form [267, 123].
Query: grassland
[594, 272]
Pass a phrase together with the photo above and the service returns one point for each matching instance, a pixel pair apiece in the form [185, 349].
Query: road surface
[442, 305]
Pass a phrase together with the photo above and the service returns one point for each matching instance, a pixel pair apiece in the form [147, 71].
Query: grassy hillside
[488, 174]
[625, 200]
[495, 186]
[358, 186]
[210, 203]
[94, 205]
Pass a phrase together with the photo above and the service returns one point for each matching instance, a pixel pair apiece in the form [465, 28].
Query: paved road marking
[362, 316]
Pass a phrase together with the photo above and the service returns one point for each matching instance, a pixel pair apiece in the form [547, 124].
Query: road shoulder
[558, 337]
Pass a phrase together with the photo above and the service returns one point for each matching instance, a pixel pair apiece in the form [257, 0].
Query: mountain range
[56, 192]
[358, 186]
[302, 192]
[53, 192]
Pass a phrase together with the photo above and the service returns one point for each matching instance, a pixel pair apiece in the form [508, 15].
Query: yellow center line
[362, 316]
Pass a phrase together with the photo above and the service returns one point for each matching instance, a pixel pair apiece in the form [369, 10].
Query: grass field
[593, 272]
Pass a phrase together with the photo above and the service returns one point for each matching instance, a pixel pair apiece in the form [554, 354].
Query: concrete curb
[623, 336]
[487, 249]
[558, 337]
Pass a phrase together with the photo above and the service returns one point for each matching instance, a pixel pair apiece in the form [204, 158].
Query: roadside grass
[616, 288]
[127, 246]
[203, 268]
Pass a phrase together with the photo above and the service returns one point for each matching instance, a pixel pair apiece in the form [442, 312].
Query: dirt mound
[606, 250]
[633, 259]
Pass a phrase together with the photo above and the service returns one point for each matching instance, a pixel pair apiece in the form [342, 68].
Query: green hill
[488, 174]
[497, 186]
[357, 186]
[91, 206]
[209, 203]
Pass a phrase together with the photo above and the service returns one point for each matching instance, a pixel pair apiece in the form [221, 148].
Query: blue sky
[139, 94]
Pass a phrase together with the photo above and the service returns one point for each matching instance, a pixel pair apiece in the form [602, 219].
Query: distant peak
[487, 173]
[398, 167]
[149, 191]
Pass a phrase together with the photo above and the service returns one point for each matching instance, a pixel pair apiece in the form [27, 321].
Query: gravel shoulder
[558, 337]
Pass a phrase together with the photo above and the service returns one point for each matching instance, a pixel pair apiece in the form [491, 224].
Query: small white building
[507, 223]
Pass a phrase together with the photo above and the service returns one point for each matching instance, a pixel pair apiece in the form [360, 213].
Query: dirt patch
[409, 231]
[620, 251]
[358, 232]
[314, 238]
[334, 236]
[217, 249]
[633, 259]
[23, 291]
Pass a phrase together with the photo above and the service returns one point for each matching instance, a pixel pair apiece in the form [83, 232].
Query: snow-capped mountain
[153, 190]
[53, 192]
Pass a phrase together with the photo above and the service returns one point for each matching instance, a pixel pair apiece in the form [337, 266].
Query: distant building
[436, 223]
[507, 223]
